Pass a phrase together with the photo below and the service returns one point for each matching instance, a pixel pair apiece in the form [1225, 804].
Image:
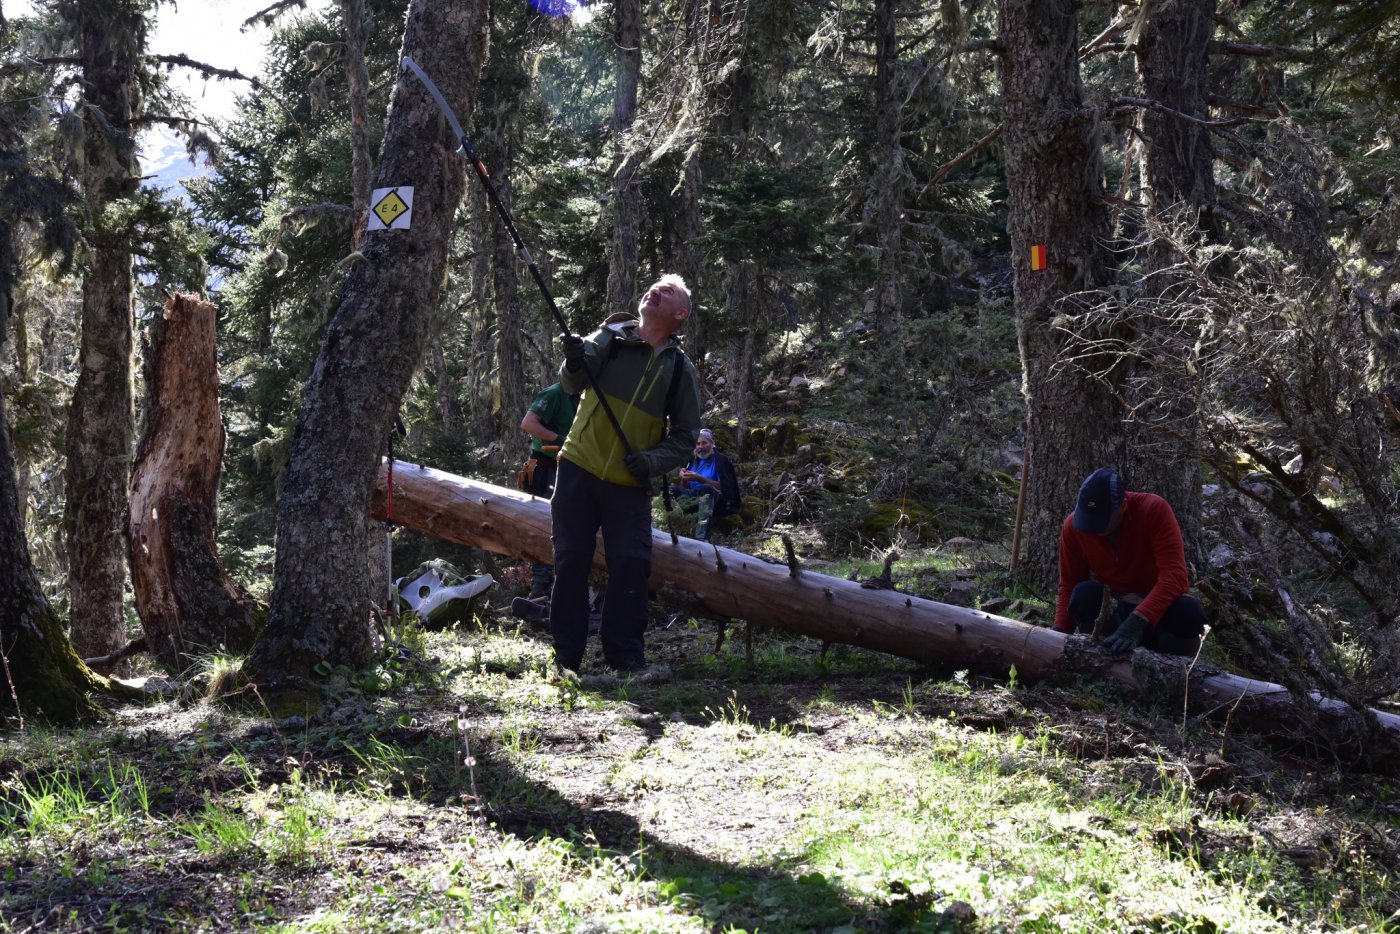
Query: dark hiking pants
[542, 574]
[1178, 632]
[582, 505]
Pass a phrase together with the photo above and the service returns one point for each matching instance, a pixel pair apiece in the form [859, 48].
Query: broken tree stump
[187, 603]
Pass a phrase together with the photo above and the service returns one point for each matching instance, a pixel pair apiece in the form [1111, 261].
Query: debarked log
[727, 583]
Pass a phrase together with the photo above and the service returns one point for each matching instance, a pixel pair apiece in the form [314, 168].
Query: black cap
[1099, 495]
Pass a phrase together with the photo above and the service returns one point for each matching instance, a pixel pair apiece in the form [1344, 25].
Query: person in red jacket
[1131, 544]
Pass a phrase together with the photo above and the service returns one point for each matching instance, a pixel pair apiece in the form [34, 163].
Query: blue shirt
[707, 467]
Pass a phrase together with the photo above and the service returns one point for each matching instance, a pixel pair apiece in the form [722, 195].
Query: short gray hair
[671, 278]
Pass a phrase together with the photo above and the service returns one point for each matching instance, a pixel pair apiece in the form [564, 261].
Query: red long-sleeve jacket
[1146, 557]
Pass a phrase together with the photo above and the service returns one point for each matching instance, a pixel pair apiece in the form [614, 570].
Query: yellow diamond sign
[391, 208]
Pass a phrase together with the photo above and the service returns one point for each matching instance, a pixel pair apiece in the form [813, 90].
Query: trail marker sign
[1038, 257]
[391, 208]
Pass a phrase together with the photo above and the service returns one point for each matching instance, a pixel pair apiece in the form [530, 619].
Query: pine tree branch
[209, 71]
[959, 159]
[232, 74]
[269, 14]
[1287, 53]
[1148, 103]
[170, 120]
[30, 63]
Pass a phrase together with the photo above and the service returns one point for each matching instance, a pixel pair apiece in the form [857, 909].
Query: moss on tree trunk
[40, 675]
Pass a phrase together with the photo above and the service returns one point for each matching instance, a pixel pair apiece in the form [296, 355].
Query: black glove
[573, 353]
[1128, 635]
[637, 463]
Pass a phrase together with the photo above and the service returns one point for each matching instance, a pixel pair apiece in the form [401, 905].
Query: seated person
[1126, 547]
[709, 486]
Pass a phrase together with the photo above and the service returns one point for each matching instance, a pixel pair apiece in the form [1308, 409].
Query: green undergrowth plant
[387, 769]
[795, 792]
[279, 823]
[219, 674]
[63, 802]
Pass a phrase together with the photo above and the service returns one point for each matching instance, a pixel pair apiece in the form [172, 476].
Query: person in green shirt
[547, 422]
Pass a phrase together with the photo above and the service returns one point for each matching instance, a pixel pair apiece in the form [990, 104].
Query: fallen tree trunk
[726, 583]
[187, 603]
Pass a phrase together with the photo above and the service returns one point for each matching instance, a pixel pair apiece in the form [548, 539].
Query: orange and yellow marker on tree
[1037, 257]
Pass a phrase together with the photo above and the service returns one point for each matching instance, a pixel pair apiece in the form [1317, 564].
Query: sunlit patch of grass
[912, 564]
[278, 824]
[219, 674]
[687, 698]
[547, 884]
[991, 822]
[387, 769]
[496, 671]
[57, 804]
[778, 658]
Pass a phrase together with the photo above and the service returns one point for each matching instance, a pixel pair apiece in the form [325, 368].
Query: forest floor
[762, 786]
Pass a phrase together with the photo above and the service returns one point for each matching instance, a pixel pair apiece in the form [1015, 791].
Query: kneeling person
[1130, 544]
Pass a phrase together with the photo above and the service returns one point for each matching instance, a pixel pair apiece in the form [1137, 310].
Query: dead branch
[268, 15]
[961, 158]
[105, 663]
[204, 68]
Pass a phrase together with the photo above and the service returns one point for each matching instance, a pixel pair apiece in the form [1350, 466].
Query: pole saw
[467, 149]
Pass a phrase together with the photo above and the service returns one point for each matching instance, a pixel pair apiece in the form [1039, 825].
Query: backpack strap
[676, 373]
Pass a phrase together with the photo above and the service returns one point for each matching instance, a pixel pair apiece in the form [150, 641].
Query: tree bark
[1171, 62]
[101, 422]
[454, 422]
[483, 333]
[357, 89]
[1180, 175]
[24, 372]
[626, 197]
[510, 321]
[687, 225]
[320, 609]
[740, 296]
[730, 584]
[888, 188]
[40, 674]
[187, 603]
[1055, 200]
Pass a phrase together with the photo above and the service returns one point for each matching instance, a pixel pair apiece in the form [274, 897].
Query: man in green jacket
[653, 390]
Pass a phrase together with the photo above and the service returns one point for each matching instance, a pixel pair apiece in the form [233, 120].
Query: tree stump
[187, 603]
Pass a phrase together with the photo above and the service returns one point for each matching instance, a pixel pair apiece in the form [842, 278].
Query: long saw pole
[482, 173]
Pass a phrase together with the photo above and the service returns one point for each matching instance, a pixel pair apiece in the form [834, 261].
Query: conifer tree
[111, 38]
[320, 610]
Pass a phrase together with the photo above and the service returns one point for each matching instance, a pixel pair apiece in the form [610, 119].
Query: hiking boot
[646, 674]
[530, 610]
[595, 680]
[541, 580]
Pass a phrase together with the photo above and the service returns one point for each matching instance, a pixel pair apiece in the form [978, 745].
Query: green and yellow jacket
[636, 381]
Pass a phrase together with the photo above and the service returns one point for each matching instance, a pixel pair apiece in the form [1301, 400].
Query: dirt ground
[719, 770]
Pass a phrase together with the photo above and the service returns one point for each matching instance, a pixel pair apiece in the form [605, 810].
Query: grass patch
[786, 791]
